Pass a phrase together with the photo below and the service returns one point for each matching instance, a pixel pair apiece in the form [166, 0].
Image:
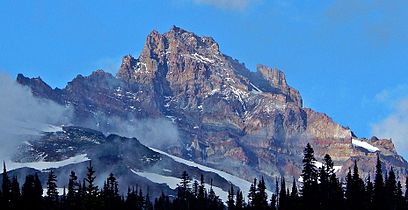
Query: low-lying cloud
[158, 133]
[22, 114]
[395, 126]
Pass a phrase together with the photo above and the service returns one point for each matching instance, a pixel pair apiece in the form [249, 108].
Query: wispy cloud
[22, 114]
[395, 125]
[227, 4]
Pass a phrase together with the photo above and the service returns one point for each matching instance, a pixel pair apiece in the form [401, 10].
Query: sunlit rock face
[249, 123]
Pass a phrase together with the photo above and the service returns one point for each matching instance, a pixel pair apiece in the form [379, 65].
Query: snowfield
[173, 182]
[43, 165]
[243, 185]
[364, 144]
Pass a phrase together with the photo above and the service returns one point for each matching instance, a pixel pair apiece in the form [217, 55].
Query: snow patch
[173, 182]
[364, 144]
[243, 185]
[52, 129]
[43, 165]
[256, 88]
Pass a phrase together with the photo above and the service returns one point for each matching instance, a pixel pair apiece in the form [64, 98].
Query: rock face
[247, 123]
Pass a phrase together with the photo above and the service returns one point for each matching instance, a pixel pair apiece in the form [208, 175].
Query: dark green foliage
[379, 189]
[6, 188]
[321, 190]
[32, 193]
[283, 200]
[231, 202]
[261, 197]
[52, 192]
[310, 191]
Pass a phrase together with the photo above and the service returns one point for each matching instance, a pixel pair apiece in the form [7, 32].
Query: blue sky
[348, 58]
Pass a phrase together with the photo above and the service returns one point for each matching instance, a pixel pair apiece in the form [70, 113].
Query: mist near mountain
[395, 126]
[22, 114]
[152, 132]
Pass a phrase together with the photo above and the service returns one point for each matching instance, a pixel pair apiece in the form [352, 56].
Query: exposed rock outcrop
[247, 123]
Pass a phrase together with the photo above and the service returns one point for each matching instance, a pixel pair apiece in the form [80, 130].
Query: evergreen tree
[110, 193]
[357, 189]
[293, 201]
[91, 189]
[184, 187]
[399, 204]
[52, 192]
[6, 188]
[184, 192]
[369, 193]
[231, 202]
[214, 201]
[349, 190]
[195, 188]
[391, 190]
[201, 189]
[261, 197]
[240, 204]
[379, 191]
[32, 193]
[406, 191]
[74, 190]
[252, 194]
[282, 204]
[310, 177]
[274, 203]
[148, 204]
[15, 195]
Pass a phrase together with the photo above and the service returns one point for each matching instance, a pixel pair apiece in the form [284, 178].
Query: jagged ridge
[247, 123]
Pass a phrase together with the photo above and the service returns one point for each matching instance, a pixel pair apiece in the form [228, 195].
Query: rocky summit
[247, 123]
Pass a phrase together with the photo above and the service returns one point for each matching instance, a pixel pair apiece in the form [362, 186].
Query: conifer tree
[184, 187]
[406, 191]
[282, 203]
[91, 189]
[6, 187]
[195, 188]
[309, 176]
[274, 201]
[231, 202]
[52, 192]
[391, 190]
[240, 204]
[201, 189]
[379, 191]
[293, 202]
[15, 195]
[74, 189]
[399, 203]
[261, 197]
[32, 193]
[358, 189]
[252, 194]
[369, 193]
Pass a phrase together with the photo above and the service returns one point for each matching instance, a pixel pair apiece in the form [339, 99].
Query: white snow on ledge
[239, 182]
[364, 144]
[42, 165]
[173, 182]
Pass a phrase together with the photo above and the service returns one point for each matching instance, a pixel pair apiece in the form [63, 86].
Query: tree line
[320, 189]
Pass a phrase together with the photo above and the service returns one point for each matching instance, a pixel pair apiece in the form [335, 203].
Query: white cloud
[227, 4]
[395, 126]
[22, 114]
